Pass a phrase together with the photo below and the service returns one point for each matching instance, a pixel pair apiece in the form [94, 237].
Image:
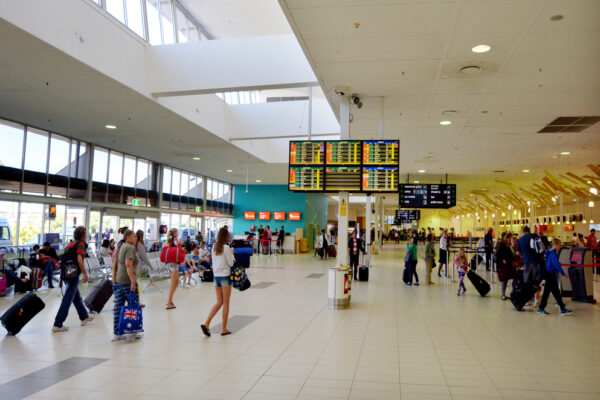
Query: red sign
[264, 215]
[249, 215]
[279, 216]
[294, 216]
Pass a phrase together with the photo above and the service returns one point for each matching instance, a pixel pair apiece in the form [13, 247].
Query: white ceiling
[410, 52]
[225, 19]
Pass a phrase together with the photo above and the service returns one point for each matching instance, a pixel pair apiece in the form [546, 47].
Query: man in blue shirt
[531, 261]
[553, 268]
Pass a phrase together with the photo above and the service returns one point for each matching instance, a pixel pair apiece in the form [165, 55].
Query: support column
[381, 212]
[88, 195]
[343, 198]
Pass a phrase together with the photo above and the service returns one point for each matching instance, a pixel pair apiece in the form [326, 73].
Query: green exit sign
[135, 202]
[198, 209]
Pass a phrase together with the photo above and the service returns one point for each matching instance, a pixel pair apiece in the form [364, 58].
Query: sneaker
[542, 312]
[408, 284]
[87, 321]
[458, 294]
[416, 283]
[566, 311]
[116, 338]
[60, 329]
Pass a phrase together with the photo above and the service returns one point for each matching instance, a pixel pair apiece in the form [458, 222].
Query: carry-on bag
[331, 251]
[239, 278]
[172, 255]
[522, 294]
[363, 273]
[99, 295]
[17, 316]
[475, 261]
[480, 284]
[405, 274]
[207, 276]
[130, 320]
[36, 277]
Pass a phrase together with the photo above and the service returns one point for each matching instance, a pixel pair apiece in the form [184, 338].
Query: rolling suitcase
[16, 317]
[521, 295]
[480, 284]
[363, 273]
[405, 275]
[99, 295]
[208, 276]
[331, 251]
[36, 277]
[475, 261]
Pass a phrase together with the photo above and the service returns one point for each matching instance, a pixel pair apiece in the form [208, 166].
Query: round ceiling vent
[471, 69]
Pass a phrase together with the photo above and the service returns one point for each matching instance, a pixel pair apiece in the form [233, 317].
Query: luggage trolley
[581, 278]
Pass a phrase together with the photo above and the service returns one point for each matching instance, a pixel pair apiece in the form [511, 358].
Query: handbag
[172, 255]
[239, 278]
[130, 320]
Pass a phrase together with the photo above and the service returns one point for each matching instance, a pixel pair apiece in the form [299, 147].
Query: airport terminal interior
[300, 199]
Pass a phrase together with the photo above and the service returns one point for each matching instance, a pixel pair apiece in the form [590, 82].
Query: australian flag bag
[130, 320]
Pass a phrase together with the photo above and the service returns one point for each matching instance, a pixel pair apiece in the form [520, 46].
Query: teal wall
[268, 198]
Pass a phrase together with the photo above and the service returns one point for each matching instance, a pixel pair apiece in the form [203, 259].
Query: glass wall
[182, 190]
[218, 197]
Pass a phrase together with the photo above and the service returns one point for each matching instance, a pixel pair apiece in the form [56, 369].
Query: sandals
[205, 330]
[226, 333]
[171, 307]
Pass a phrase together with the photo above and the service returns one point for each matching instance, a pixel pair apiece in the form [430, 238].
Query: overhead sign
[52, 211]
[264, 215]
[427, 195]
[403, 216]
[279, 216]
[294, 216]
[249, 215]
[198, 209]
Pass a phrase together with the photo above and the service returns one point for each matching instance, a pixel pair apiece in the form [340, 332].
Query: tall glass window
[115, 172]
[135, 16]
[129, 172]
[11, 151]
[143, 175]
[182, 31]
[100, 167]
[115, 8]
[168, 29]
[153, 14]
[59, 156]
[36, 150]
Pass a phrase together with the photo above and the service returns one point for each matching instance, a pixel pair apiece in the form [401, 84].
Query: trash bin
[340, 285]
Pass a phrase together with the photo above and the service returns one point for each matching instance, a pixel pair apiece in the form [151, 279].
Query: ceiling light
[584, 221]
[417, 182]
[525, 171]
[493, 215]
[591, 221]
[196, 158]
[481, 48]
[591, 204]
[565, 153]
[504, 214]
[444, 123]
[258, 181]
[229, 170]
[594, 191]
[110, 126]
[554, 157]
[421, 171]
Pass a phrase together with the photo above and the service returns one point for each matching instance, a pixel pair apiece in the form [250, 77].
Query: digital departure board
[380, 152]
[403, 216]
[342, 179]
[380, 179]
[307, 153]
[343, 152]
[427, 196]
[304, 179]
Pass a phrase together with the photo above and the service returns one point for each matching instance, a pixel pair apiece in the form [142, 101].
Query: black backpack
[69, 265]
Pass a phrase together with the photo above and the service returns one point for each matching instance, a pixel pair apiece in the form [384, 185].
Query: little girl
[462, 265]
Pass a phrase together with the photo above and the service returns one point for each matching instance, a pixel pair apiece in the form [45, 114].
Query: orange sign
[249, 215]
[294, 216]
[279, 216]
[264, 215]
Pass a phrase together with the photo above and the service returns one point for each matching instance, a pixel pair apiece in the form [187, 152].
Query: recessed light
[470, 69]
[421, 171]
[444, 123]
[525, 171]
[196, 158]
[416, 182]
[229, 170]
[110, 126]
[565, 153]
[554, 157]
[481, 48]
[258, 181]
[555, 18]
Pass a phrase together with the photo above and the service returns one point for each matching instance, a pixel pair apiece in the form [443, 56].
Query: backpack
[69, 265]
[536, 244]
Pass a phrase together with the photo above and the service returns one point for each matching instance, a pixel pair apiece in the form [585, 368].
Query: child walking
[462, 265]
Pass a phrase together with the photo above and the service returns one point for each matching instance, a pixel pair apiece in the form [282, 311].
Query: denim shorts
[222, 281]
[183, 269]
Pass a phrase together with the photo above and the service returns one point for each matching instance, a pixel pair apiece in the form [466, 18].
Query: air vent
[287, 98]
[569, 124]
[498, 171]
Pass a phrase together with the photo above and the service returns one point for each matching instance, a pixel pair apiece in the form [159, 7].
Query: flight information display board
[427, 195]
[403, 216]
[307, 153]
[380, 152]
[304, 179]
[342, 179]
[380, 179]
[343, 152]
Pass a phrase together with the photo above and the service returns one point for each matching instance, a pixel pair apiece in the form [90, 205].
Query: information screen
[307, 153]
[264, 215]
[279, 215]
[380, 179]
[427, 196]
[249, 215]
[306, 179]
[403, 216]
[380, 152]
[342, 179]
[343, 152]
[294, 215]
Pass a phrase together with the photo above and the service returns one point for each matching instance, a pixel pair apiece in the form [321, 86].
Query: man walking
[489, 248]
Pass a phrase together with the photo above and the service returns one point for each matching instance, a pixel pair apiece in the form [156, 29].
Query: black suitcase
[16, 317]
[99, 295]
[405, 275]
[331, 251]
[208, 276]
[480, 284]
[475, 261]
[363, 273]
[522, 294]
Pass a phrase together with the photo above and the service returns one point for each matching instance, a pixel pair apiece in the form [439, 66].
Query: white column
[343, 198]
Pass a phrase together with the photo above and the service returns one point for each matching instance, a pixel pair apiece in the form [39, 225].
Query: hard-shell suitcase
[17, 316]
[36, 277]
[363, 273]
[331, 251]
[99, 295]
[522, 294]
[480, 284]
[208, 276]
[405, 274]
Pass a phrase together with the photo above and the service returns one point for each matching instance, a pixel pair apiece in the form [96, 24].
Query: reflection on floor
[394, 342]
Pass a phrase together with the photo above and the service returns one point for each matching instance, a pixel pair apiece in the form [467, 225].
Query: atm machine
[580, 284]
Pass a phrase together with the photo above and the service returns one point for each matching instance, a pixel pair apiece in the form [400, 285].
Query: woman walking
[429, 258]
[462, 265]
[222, 259]
[504, 265]
[412, 262]
[125, 283]
[172, 241]
[74, 251]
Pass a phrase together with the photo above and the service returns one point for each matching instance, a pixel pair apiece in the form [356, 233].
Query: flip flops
[205, 330]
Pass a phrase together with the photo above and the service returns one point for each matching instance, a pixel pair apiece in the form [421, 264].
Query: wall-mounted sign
[264, 215]
[249, 215]
[294, 216]
[279, 216]
[198, 209]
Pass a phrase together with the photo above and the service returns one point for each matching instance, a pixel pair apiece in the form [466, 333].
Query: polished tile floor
[395, 342]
